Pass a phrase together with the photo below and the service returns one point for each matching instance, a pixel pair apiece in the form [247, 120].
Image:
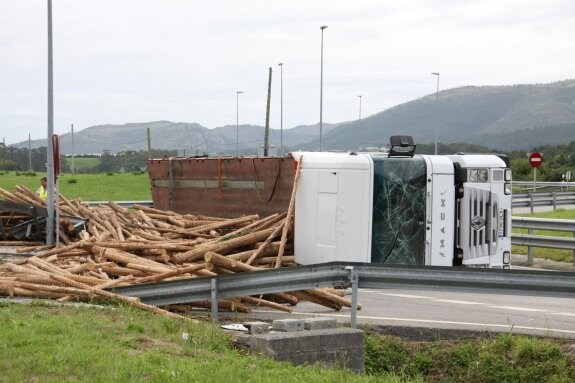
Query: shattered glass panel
[398, 235]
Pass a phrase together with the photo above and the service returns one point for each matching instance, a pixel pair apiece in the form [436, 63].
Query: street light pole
[321, 90]
[436, 109]
[238, 122]
[50, 151]
[359, 107]
[281, 65]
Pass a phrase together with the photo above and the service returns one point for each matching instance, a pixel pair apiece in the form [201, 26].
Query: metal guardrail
[541, 185]
[539, 199]
[343, 274]
[530, 240]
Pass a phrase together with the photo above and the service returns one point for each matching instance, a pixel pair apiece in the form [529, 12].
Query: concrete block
[257, 327]
[340, 347]
[288, 325]
[319, 323]
[243, 340]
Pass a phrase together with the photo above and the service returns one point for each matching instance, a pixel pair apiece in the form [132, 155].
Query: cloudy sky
[121, 61]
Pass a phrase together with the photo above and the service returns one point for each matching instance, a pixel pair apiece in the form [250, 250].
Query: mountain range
[517, 117]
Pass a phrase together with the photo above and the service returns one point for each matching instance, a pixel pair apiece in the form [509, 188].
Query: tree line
[557, 159]
[22, 160]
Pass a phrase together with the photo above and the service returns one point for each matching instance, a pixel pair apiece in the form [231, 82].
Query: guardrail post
[214, 290]
[554, 195]
[353, 275]
[530, 250]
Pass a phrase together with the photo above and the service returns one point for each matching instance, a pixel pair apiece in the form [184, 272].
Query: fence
[530, 240]
[540, 199]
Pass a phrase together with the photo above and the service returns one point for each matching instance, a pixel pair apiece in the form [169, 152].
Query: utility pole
[50, 152]
[149, 144]
[72, 133]
[281, 65]
[267, 133]
[29, 153]
[321, 90]
[436, 110]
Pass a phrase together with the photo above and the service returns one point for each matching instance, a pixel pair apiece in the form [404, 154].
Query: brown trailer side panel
[222, 187]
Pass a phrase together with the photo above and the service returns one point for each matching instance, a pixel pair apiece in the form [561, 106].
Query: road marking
[459, 302]
[518, 308]
[429, 321]
[565, 314]
[405, 296]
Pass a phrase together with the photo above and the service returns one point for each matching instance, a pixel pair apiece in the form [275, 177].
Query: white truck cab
[403, 208]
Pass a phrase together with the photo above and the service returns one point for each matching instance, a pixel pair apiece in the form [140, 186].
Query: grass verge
[42, 342]
[501, 358]
[48, 343]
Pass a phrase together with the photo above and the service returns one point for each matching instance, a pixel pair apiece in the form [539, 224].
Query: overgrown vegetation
[501, 358]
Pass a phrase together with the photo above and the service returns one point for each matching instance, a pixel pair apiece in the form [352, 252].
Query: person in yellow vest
[42, 191]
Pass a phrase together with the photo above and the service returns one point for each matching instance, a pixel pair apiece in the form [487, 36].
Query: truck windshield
[398, 230]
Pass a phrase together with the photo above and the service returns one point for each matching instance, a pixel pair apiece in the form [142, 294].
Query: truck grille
[477, 223]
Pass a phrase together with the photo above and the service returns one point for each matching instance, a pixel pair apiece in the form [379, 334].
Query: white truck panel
[440, 211]
[333, 208]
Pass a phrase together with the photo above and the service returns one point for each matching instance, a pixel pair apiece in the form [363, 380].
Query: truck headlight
[507, 174]
[507, 189]
[506, 257]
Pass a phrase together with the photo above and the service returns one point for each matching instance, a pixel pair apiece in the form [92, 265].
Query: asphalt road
[437, 309]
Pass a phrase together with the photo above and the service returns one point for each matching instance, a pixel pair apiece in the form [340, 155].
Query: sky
[126, 61]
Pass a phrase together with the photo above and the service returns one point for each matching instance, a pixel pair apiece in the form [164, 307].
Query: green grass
[502, 358]
[83, 163]
[45, 343]
[552, 254]
[52, 343]
[88, 187]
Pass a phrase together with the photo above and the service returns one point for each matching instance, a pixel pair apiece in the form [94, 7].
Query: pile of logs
[122, 247]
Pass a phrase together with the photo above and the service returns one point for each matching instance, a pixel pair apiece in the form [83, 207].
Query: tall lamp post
[281, 65]
[238, 122]
[50, 151]
[436, 109]
[321, 90]
[359, 127]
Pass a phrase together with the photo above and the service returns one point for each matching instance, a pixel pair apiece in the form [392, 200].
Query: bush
[72, 181]
[109, 174]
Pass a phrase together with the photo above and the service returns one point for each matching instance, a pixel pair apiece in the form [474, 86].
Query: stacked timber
[122, 247]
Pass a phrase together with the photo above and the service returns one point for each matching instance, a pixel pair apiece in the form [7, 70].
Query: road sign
[535, 159]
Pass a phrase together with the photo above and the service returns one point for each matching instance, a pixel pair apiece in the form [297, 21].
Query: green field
[83, 163]
[88, 187]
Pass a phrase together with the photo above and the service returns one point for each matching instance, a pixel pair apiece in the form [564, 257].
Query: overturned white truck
[402, 208]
